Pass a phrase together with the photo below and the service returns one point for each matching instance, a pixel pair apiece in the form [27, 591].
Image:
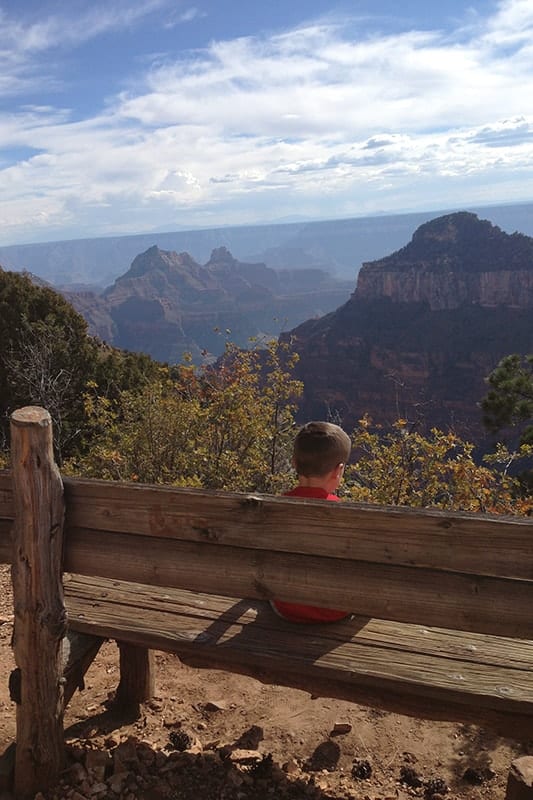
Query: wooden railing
[467, 572]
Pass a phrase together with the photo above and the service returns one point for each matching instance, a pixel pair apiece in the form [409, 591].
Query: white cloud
[181, 17]
[26, 41]
[312, 121]
[72, 26]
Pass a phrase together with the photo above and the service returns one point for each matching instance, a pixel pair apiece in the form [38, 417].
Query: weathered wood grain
[137, 676]
[40, 619]
[452, 571]
[407, 594]
[482, 648]
[350, 658]
[6, 516]
[471, 543]
[6, 526]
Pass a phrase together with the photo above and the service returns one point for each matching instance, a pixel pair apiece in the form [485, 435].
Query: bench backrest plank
[407, 594]
[460, 571]
[471, 543]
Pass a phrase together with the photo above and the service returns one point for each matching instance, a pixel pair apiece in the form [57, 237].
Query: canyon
[422, 330]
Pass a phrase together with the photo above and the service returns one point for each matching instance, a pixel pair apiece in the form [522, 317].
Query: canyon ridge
[422, 330]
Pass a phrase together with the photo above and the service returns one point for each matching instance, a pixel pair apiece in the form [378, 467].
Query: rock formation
[423, 328]
[454, 261]
[167, 303]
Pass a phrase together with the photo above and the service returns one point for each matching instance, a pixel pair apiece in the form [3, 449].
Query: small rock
[340, 729]
[146, 753]
[291, 767]
[265, 770]
[240, 756]
[234, 779]
[156, 793]
[110, 742]
[118, 766]
[76, 773]
[97, 788]
[97, 761]
[117, 782]
[126, 752]
[216, 705]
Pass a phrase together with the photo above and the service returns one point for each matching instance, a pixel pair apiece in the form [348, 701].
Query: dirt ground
[211, 735]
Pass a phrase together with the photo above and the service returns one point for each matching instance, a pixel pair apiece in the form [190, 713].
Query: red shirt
[296, 612]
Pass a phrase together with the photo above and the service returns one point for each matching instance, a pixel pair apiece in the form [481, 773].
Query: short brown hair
[319, 447]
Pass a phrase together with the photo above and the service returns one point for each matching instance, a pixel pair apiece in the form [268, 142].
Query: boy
[320, 453]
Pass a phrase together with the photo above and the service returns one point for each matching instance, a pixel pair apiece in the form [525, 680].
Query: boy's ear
[339, 469]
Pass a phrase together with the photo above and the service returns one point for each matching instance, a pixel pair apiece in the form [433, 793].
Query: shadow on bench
[412, 669]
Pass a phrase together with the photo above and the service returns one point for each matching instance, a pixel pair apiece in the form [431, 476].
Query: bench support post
[137, 683]
[40, 618]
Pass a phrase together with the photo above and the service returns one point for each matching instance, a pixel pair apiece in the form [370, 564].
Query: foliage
[403, 467]
[509, 402]
[45, 355]
[145, 435]
[120, 415]
[228, 426]
[120, 370]
[47, 359]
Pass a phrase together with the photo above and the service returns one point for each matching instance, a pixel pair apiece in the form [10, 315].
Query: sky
[159, 115]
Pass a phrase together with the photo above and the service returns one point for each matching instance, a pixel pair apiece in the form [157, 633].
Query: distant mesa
[423, 328]
[453, 260]
[460, 242]
[335, 246]
[167, 303]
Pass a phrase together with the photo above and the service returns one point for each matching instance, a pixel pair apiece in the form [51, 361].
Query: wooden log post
[137, 682]
[40, 617]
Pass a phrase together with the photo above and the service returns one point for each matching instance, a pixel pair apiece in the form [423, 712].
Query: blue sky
[150, 115]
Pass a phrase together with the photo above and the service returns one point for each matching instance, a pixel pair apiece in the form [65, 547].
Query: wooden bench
[444, 601]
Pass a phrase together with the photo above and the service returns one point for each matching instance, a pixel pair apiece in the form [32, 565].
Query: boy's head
[320, 448]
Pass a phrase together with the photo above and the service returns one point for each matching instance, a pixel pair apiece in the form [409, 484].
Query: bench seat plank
[409, 668]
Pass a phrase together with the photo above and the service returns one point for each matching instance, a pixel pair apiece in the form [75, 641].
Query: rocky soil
[210, 735]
